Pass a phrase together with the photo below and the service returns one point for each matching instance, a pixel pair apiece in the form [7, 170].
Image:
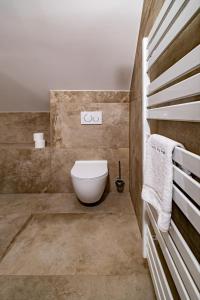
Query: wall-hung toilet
[89, 179]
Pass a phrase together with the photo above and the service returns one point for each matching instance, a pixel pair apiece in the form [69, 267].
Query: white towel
[158, 177]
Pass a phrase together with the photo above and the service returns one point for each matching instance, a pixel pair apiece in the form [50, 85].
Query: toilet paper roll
[38, 136]
[40, 144]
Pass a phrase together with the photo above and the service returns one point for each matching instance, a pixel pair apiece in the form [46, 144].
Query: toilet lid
[89, 169]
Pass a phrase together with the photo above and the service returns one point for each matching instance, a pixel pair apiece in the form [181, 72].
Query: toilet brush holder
[119, 182]
[120, 185]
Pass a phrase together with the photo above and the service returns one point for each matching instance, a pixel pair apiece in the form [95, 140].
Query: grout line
[79, 275]
[22, 228]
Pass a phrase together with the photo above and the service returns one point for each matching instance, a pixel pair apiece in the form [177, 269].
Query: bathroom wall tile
[68, 132]
[136, 158]
[18, 127]
[61, 164]
[63, 159]
[72, 141]
[24, 170]
[90, 96]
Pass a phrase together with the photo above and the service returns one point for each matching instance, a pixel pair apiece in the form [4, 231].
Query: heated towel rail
[171, 253]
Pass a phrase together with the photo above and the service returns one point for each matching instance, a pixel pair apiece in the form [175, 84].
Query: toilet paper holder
[38, 138]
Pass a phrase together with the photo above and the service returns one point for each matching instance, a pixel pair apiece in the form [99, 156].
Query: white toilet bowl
[89, 179]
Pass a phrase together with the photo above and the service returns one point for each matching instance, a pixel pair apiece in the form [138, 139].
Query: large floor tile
[137, 286]
[68, 244]
[10, 225]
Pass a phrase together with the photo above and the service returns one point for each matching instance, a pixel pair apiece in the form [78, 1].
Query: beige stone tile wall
[18, 127]
[24, 169]
[72, 141]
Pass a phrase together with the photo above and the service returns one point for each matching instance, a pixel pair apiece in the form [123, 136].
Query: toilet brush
[119, 182]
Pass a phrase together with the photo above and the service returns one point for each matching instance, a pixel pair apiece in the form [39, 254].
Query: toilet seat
[89, 169]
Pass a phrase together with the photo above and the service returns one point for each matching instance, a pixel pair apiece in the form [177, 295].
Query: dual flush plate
[91, 117]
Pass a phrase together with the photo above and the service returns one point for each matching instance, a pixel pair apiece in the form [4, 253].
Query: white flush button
[91, 117]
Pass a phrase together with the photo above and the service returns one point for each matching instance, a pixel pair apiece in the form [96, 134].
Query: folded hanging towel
[158, 177]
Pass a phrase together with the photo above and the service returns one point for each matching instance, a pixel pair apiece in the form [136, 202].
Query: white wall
[64, 44]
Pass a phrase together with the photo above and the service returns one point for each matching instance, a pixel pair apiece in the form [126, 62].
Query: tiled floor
[52, 247]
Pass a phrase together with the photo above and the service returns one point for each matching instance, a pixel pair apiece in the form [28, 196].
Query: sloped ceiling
[64, 44]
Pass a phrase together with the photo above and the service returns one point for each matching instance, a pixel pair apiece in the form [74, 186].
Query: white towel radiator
[172, 248]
